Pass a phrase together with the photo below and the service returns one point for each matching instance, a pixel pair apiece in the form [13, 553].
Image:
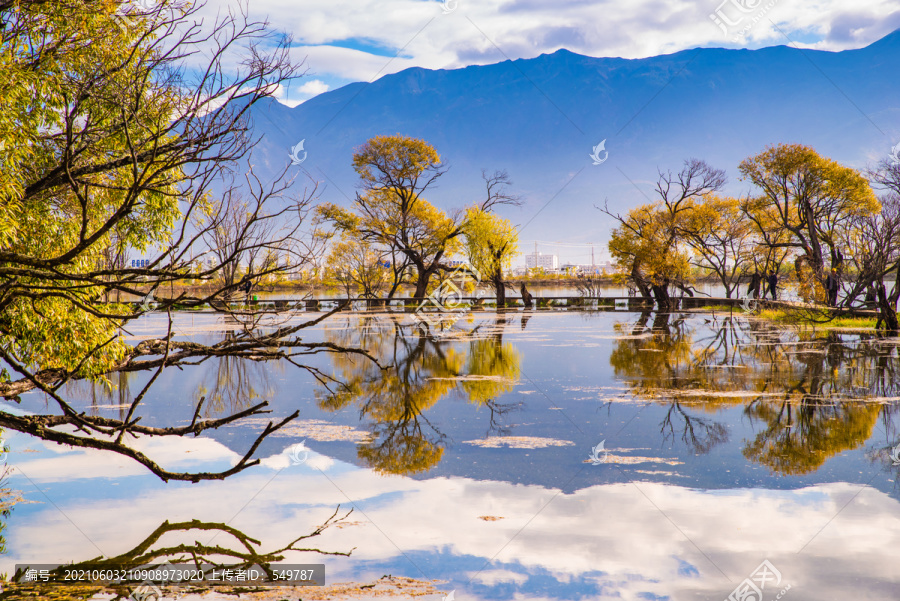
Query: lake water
[547, 454]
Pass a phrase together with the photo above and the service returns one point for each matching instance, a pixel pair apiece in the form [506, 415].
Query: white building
[541, 260]
[601, 268]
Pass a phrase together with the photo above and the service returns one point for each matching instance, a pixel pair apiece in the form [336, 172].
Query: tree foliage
[111, 146]
[391, 212]
[491, 245]
[808, 217]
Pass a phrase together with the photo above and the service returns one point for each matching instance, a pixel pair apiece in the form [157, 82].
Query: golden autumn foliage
[49, 110]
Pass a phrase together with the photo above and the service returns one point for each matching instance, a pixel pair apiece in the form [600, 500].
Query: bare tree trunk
[640, 282]
[422, 285]
[887, 313]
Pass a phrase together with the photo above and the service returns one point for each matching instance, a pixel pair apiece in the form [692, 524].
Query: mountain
[540, 118]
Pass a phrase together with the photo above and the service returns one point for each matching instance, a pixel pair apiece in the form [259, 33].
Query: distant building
[601, 268]
[535, 260]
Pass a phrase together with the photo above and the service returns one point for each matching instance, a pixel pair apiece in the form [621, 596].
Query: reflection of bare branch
[110, 434]
[242, 554]
[699, 433]
[499, 411]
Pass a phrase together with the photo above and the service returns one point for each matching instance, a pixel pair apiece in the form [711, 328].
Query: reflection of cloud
[284, 460]
[492, 577]
[172, 453]
[620, 536]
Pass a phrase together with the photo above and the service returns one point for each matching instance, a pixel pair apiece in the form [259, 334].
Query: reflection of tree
[115, 389]
[493, 366]
[799, 439]
[699, 433]
[422, 370]
[241, 553]
[813, 392]
[234, 383]
[802, 433]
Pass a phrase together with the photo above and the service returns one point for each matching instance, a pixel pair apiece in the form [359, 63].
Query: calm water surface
[725, 443]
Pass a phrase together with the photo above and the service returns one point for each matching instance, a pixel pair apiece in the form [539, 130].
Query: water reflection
[112, 392]
[173, 543]
[737, 393]
[420, 370]
[815, 394]
[807, 395]
[232, 384]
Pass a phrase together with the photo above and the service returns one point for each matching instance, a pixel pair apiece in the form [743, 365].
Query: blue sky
[343, 41]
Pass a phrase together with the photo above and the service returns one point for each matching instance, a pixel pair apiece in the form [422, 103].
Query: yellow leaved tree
[109, 149]
[491, 245]
[391, 212]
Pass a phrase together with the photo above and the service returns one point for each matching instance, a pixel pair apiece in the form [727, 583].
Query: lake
[541, 454]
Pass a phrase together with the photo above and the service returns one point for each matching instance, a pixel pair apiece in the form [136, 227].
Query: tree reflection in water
[232, 384]
[419, 371]
[817, 393]
[175, 543]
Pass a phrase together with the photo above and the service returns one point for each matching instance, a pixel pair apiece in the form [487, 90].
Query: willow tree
[648, 244]
[810, 199]
[391, 209]
[491, 245]
[719, 238]
[357, 266]
[111, 146]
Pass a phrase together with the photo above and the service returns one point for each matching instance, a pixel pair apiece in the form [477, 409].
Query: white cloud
[489, 30]
[314, 87]
[341, 43]
[347, 63]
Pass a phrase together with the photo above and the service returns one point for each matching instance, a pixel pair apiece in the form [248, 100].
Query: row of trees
[830, 225]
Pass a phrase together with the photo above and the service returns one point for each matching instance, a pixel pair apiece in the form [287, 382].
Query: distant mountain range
[541, 118]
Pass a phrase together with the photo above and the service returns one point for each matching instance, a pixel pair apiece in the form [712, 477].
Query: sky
[344, 41]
